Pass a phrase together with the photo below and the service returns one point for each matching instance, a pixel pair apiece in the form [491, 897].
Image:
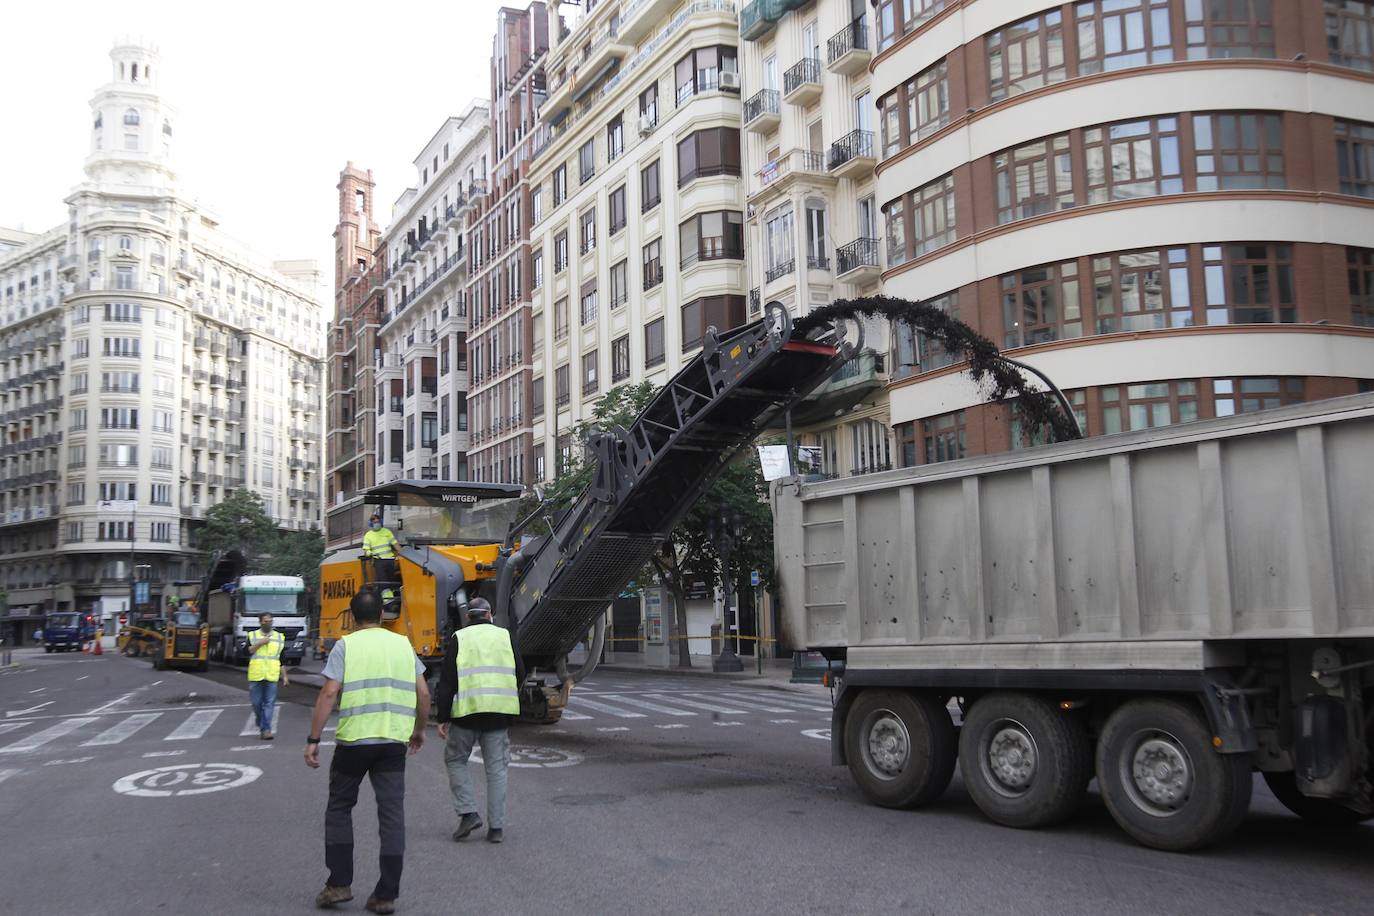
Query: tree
[298, 553]
[239, 523]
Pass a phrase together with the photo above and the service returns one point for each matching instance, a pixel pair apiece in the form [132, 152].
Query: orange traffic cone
[86, 648]
[98, 650]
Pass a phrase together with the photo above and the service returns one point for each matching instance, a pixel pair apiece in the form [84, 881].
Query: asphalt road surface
[124, 790]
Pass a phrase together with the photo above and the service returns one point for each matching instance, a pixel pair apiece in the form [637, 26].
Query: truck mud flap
[1228, 711]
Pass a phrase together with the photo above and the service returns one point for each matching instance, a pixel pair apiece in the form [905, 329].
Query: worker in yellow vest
[264, 673]
[380, 545]
[477, 696]
[383, 708]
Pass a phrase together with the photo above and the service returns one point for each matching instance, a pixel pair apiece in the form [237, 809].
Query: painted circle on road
[186, 779]
[821, 733]
[536, 757]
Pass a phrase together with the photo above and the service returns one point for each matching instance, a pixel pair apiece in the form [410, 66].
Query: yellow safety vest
[378, 695]
[265, 663]
[486, 672]
[379, 543]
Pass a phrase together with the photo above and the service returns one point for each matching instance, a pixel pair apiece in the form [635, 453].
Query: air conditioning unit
[646, 124]
[729, 81]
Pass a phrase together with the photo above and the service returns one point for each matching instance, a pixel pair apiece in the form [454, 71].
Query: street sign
[754, 578]
[117, 505]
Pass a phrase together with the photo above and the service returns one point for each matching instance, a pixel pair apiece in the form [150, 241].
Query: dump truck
[1167, 611]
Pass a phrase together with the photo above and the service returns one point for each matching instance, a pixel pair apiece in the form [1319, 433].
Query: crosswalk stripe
[585, 703]
[752, 704]
[250, 727]
[654, 707]
[11, 726]
[196, 724]
[572, 716]
[794, 702]
[122, 730]
[51, 733]
[709, 707]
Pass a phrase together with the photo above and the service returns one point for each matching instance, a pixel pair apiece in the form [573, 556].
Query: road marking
[122, 712]
[154, 683]
[164, 753]
[654, 707]
[23, 712]
[38, 690]
[790, 704]
[726, 724]
[613, 728]
[572, 716]
[83, 677]
[198, 778]
[122, 730]
[111, 704]
[821, 733]
[51, 733]
[602, 707]
[6, 774]
[251, 726]
[11, 726]
[782, 721]
[709, 707]
[252, 747]
[54, 763]
[672, 725]
[196, 724]
[326, 744]
[752, 706]
[548, 758]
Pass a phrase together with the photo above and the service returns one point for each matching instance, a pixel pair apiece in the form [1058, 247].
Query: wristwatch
[309, 740]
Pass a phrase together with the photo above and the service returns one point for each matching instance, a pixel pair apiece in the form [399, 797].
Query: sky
[273, 100]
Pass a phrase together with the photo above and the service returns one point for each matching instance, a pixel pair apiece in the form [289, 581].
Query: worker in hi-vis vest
[477, 696]
[383, 708]
[380, 545]
[265, 646]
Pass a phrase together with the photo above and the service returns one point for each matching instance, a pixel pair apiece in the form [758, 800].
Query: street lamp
[729, 528]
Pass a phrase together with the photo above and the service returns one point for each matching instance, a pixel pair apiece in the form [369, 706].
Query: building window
[127, 312]
[586, 161]
[1249, 284]
[537, 396]
[649, 187]
[817, 257]
[161, 494]
[900, 17]
[131, 118]
[1231, 396]
[620, 359]
[716, 235]
[560, 252]
[1114, 35]
[429, 430]
[932, 216]
[1026, 56]
[652, 264]
[560, 185]
[1359, 267]
[615, 138]
[124, 278]
[895, 216]
[122, 346]
[1148, 406]
[870, 446]
[914, 352]
[1024, 436]
[588, 302]
[1235, 28]
[537, 269]
[588, 231]
[562, 390]
[648, 108]
[589, 379]
[927, 102]
[943, 438]
[1041, 304]
[699, 70]
[1142, 291]
[77, 419]
[76, 494]
[1350, 33]
[1355, 157]
[654, 352]
[1133, 159]
[779, 248]
[560, 319]
[536, 205]
[714, 151]
[616, 206]
[1033, 179]
[1238, 151]
[719, 312]
[620, 284]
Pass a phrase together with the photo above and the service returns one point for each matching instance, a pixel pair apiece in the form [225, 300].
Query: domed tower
[131, 124]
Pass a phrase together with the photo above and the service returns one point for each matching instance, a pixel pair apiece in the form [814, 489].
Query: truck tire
[1024, 762]
[1324, 812]
[1163, 782]
[901, 747]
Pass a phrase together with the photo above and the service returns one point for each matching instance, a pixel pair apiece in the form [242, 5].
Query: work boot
[467, 824]
[330, 896]
[494, 835]
[376, 904]
[266, 736]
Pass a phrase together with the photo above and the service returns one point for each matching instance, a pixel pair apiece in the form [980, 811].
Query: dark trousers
[385, 764]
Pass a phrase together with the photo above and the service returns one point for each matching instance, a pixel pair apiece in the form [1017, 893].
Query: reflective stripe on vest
[377, 699]
[486, 672]
[265, 663]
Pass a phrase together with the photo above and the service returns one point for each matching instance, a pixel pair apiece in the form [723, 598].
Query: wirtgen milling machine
[549, 579]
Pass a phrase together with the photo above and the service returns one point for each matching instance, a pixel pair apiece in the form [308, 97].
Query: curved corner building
[1163, 204]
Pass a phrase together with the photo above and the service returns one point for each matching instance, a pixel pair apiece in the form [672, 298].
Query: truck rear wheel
[1325, 812]
[1163, 782]
[1025, 763]
[901, 747]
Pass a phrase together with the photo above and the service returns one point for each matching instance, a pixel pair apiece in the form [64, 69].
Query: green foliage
[298, 553]
[241, 523]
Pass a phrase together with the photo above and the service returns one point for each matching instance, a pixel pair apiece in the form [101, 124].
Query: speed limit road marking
[536, 757]
[187, 779]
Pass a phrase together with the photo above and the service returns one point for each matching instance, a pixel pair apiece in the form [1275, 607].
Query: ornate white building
[146, 359]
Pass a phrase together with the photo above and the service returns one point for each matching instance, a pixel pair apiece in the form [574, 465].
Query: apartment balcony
[780, 270]
[852, 156]
[199, 442]
[607, 48]
[641, 18]
[851, 383]
[198, 477]
[801, 84]
[849, 50]
[199, 409]
[763, 111]
[758, 18]
[67, 263]
[779, 174]
[857, 262]
[201, 342]
[755, 303]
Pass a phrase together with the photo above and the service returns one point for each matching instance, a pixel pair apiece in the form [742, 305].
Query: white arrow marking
[25, 712]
